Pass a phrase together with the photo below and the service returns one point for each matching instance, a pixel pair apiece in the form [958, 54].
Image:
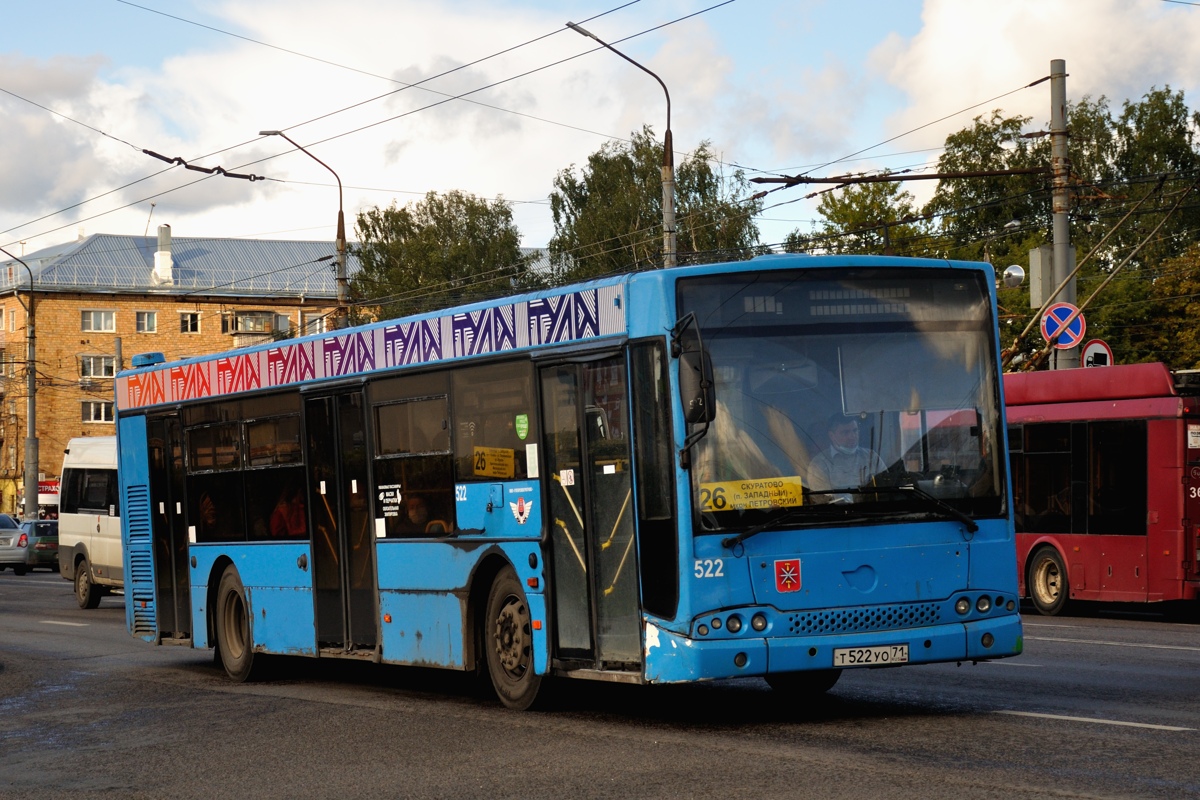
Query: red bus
[1106, 484]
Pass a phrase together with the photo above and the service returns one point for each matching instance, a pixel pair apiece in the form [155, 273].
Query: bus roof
[561, 316]
[1119, 382]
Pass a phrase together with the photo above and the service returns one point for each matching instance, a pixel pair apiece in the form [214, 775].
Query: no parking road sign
[1052, 325]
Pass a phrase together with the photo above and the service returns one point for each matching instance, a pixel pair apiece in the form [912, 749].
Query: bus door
[1191, 507]
[594, 576]
[343, 549]
[172, 585]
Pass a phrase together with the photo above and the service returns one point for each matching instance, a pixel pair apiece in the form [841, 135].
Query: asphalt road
[1099, 706]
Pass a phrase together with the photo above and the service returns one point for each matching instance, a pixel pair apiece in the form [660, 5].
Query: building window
[189, 322]
[311, 322]
[97, 411]
[97, 366]
[251, 322]
[12, 456]
[98, 321]
[12, 321]
[147, 322]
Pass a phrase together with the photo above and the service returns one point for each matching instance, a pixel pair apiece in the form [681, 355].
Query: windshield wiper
[734, 541]
[971, 525]
[942, 505]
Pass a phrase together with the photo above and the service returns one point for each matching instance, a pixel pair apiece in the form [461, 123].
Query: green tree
[865, 218]
[974, 215]
[436, 252]
[608, 213]
[1172, 336]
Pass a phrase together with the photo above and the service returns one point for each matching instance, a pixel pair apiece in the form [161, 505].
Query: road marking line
[1008, 663]
[1097, 721]
[68, 624]
[1114, 644]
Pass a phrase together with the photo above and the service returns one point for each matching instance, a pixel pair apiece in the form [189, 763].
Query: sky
[508, 97]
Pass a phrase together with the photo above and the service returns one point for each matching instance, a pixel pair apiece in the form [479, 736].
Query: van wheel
[1047, 582]
[234, 645]
[87, 594]
[19, 570]
[508, 642]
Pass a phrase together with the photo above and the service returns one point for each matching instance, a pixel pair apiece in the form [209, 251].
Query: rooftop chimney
[161, 276]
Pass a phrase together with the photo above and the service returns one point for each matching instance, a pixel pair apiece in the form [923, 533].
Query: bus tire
[804, 685]
[87, 594]
[234, 646]
[1047, 582]
[508, 643]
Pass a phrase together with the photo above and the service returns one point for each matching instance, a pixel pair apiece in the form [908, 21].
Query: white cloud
[966, 53]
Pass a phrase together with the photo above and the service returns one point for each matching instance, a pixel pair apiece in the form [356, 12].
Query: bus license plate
[870, 656]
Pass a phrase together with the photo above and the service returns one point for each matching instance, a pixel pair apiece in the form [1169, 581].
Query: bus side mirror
[697, 390]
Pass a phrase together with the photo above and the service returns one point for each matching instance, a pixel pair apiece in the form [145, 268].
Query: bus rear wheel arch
[508, 642]
[1046, 581]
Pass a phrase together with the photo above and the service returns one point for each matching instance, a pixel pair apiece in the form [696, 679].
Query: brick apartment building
[100, 300]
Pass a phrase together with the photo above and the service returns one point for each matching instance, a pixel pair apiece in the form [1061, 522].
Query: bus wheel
[233, 627]
[87, 594]
[804, 685]
[508, 642]
[1047, 582]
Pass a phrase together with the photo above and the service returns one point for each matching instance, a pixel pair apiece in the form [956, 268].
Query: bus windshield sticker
[531, 461]
[389, 500]
[1193, 436]
[521, 425]
[494, 462]
[758, 493]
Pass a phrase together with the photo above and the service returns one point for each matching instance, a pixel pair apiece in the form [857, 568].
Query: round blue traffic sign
[1053, 322]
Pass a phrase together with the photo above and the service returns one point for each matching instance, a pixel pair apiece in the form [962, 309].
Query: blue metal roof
[226, 267]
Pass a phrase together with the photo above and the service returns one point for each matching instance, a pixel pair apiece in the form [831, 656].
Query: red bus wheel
[1049, 588]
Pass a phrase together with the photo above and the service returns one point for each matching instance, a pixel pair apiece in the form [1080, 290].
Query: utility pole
[31, 440]
[1060, 165]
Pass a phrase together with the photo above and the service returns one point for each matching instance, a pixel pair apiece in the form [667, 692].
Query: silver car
[14, 545]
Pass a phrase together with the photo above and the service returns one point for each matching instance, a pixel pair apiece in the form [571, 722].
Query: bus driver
[843, 465]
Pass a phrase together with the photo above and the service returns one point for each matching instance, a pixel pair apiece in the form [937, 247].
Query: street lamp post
[31, 440]
[342, 314]
[668, 163]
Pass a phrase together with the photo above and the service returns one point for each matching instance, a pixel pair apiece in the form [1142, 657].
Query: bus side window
[495, 421]
[412, 471]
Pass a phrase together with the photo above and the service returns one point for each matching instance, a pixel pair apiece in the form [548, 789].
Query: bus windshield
[862, 396]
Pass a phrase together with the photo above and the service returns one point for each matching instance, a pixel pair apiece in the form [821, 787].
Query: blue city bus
[779, 468]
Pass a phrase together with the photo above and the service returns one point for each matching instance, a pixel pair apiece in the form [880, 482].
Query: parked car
[28, 545]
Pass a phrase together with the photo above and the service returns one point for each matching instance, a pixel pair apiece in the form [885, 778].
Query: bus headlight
[983, 604]
[759, 622]
[963, 606]
[733, 624]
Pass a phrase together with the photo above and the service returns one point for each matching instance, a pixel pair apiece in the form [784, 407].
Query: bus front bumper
[672, 658]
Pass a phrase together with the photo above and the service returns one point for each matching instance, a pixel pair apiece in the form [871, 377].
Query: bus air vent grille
[143, 612]
[874, 618]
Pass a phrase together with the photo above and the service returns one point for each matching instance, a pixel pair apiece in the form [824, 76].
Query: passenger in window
[844, 464]
[417, 521]
[208, 519]
[416, 516]
[289, 520]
